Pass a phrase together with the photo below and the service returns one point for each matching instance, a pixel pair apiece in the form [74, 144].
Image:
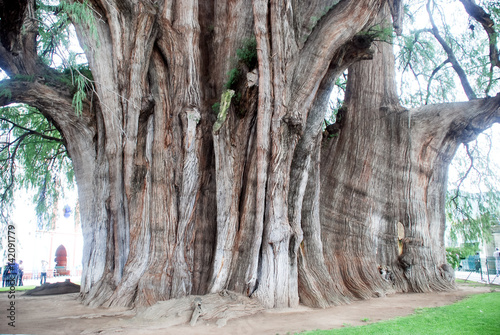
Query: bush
[248, 53]
[455, 255]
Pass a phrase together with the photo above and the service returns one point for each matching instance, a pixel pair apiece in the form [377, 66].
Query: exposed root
[216, 308]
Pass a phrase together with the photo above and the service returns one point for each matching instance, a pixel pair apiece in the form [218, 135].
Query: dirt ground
[63, 314]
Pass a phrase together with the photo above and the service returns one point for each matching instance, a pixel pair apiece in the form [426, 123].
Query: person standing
[20, 273]
[5, 275]
[497, 260]
[43, 273]
[13, 271]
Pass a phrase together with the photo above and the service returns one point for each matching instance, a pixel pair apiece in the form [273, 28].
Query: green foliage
[248, 53]
[233, 77]
[33, 157]
[379, 33]
[80, 94]
[471, 215]
[55, 34]
[81, 13]
[455, 254]
[475, 315]
[427, 77]
[216, 107]
[22, 77]
[473, 199]
[55, 29]
[5, 92]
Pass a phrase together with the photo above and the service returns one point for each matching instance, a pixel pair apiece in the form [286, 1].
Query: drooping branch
[12, 167]
[436, 70]
[451, 56]
[469, 169]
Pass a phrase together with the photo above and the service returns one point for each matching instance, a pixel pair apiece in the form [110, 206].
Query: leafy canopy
[33, 157]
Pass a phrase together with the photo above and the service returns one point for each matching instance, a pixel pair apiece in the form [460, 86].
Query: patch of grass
[475, 284]
[475, 315]
[18, 288]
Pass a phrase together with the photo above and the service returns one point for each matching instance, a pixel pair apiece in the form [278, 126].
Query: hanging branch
[457, 193]
[451, 56]
[436, 70]
[12, 158]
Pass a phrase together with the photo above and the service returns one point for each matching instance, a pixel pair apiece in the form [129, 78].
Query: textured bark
[176, 200]
[388, 166]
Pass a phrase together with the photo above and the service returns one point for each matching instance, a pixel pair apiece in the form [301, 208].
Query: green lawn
[18, 288]
[476, 284]
[479, 314]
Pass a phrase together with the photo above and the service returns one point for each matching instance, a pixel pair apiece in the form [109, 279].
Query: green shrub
[233, 76]
[248, 53]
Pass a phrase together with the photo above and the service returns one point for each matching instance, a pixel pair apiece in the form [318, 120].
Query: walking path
[478, 277]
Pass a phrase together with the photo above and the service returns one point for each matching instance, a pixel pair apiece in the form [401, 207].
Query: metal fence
[481, 265]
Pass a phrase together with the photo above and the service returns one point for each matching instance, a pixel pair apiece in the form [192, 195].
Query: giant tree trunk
[176, 200]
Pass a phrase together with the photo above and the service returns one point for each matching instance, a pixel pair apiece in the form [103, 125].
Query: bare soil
[63, 314]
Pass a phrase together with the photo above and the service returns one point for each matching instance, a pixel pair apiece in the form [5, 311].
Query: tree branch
[53, 103]
[471, 158]
[478, 13]
[397, 12]
[462, 121]
[334, 29]
[12, 158]
[33, 132]
[451, 56]
[436, 70]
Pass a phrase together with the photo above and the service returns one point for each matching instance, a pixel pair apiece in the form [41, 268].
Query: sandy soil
[63, 314]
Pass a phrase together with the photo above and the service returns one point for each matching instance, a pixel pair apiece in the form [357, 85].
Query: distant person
[13, 271]
[477, 260]
[5, 275]
[20, 273]
[496, 254]
[43, 273]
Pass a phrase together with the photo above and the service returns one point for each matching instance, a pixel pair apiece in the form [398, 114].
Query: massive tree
[202, 164]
